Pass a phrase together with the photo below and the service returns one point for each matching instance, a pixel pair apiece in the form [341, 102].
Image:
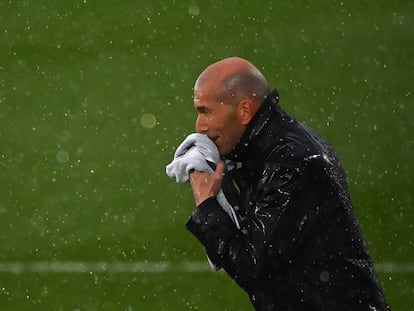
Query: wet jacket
[300, 245]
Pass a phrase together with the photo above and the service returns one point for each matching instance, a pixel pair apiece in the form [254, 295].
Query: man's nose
[201, 125]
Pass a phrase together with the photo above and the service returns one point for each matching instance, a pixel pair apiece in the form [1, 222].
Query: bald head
[232, 80]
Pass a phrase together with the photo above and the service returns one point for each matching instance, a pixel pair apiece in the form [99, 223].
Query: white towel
[195, 153]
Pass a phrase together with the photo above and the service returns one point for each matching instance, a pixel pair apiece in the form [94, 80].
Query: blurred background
[96, 95]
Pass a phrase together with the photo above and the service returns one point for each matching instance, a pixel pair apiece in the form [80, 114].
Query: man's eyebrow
[200, 108]
[198, 105]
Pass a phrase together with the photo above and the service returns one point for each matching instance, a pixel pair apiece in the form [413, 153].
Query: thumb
[219, 170]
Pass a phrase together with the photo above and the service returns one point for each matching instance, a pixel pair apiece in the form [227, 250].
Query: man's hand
[206, 185]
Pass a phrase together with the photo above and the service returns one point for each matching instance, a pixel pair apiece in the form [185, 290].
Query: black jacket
[300, 247]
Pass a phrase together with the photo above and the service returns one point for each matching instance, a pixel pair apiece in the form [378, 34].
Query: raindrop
[148, 120]
[62, 156]
[193, 10]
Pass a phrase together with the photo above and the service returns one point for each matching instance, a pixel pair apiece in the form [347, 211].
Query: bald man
[299, 245]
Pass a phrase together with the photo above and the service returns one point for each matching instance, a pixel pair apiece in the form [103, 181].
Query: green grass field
[96, 95]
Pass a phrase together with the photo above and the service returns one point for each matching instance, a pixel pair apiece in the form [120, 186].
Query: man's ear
[246, 111]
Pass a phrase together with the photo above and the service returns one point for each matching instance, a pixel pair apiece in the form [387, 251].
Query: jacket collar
[260, 134]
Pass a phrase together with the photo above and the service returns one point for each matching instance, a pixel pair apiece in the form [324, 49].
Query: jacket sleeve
[275, 226]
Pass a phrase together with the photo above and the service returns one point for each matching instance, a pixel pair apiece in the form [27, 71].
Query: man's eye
[206, 111]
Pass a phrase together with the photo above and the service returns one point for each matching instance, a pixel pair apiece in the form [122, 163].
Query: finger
[219, 170]
[194, 174]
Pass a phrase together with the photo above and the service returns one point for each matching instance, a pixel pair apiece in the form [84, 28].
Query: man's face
[220, 121]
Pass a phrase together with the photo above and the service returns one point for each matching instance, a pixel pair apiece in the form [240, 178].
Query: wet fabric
[299, 246]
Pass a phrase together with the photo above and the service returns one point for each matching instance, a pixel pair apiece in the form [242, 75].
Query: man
[299, 245]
